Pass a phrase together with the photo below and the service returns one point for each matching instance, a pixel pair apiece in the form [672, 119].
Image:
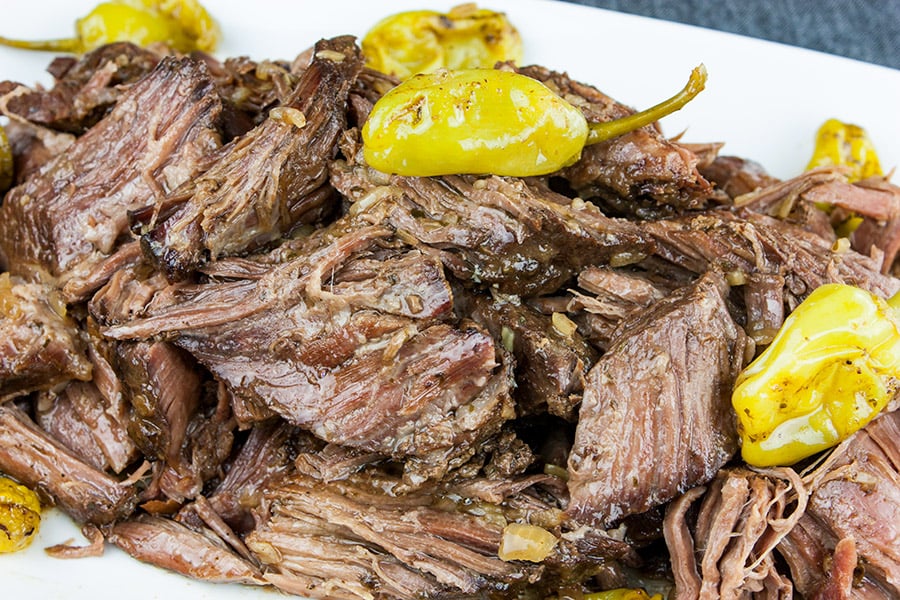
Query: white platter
[764, 100]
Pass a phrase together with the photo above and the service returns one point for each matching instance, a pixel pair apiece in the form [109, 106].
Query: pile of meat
[235, 351]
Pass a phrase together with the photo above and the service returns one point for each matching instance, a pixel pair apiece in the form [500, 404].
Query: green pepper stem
[600, 132]
[64, 45]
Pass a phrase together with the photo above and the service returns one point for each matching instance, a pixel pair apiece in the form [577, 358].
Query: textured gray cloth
[867, 30]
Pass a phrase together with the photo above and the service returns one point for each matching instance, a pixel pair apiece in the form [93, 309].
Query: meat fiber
[854, 496]
[357, 538]
[729, 553]
[199, 554]
[656, 416]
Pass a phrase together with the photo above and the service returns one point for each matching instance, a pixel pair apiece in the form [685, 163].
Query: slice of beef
[163, 387]
[727, 552]
[656, 416]
[550, 364]
[267, 181]
[86, 89]
[81, 418]
[744, 243]
[40, 462]
[516, 236]
[41, 346]
[345, 340]
[75, 213]
[58, 415]
[854, 495]
[198, 554]
[654, 174]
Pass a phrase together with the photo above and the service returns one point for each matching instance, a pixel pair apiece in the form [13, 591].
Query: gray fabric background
[867, 30]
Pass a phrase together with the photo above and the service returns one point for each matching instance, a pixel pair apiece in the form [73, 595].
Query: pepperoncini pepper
[423, 41]
[20, 515]
[6, 162]
[490, 121]
[183, 25]
[832, 367]
[848, 145]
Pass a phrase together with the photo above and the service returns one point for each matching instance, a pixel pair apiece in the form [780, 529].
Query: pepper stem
[63, 45]
[600, 132]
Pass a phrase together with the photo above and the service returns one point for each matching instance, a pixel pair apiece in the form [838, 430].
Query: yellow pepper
[423, 41]
[839, 143]
[184, 25]
[832, 367]
[6, 162]
[623, 594]
[20, 515]
[490, 121]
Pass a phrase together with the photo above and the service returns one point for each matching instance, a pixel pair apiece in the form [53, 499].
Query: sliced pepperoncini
[20, 515]
[423, 41]
[183, 25]
[832, 367]
[490, 121]
[843, 144]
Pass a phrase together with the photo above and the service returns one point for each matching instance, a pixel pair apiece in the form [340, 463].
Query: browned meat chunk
[550, 364]
[171, 545]
[346, 340]
[745, 243]
[656, 416]
[515, 236]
